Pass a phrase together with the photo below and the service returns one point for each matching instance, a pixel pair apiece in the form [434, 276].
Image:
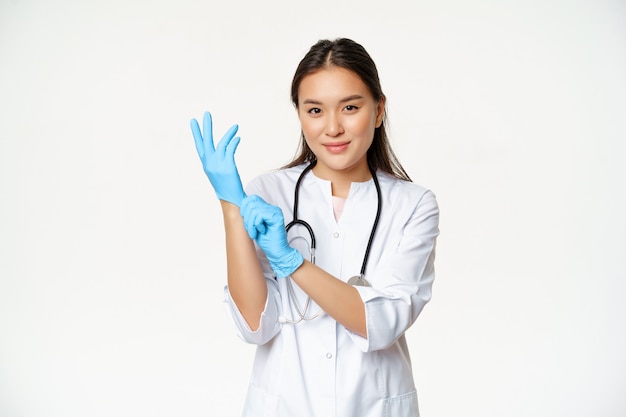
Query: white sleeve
[394, 306]
[269, 325]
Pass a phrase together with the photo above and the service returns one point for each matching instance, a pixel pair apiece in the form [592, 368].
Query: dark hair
[346, 53]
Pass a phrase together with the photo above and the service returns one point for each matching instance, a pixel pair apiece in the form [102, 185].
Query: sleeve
[269, 325]
[409, 272]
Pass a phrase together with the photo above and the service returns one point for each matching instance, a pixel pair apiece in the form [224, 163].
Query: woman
[329, 325]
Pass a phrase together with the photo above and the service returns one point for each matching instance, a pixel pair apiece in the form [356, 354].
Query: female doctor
[331, 258]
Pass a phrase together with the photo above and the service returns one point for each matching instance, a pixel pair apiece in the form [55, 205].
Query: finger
[197, 137]
[252, 222]
[255, 199]
[252, 232]
[255, 214]
[225, 141]
[247, 214]
[207, 129]
[232, 147]
[259, 222]
[274, 217]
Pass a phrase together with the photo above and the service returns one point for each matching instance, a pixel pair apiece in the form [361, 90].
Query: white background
[111, 243]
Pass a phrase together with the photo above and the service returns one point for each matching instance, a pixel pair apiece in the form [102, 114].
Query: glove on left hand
[266, 225]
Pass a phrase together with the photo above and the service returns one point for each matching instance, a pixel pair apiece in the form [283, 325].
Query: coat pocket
[260, 403]
[402, 406]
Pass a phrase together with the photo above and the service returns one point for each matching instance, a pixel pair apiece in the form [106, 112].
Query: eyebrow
[343, 100]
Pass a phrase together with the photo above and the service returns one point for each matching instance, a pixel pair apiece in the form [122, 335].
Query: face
[338, 116]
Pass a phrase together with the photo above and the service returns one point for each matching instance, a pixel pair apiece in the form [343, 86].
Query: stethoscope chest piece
[358, 281]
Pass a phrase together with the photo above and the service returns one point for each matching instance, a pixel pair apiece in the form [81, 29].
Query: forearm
[246, 282]
[338, 299]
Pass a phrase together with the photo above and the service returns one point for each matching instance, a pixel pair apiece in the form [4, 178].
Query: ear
[380, 111]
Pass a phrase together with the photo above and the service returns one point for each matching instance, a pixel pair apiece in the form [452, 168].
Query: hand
[219, 163]
[266, 225]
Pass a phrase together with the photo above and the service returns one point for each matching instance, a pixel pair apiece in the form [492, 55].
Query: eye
[314, 111]
[351, 108]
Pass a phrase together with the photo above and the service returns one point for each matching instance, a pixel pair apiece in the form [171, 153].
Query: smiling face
[338, 116]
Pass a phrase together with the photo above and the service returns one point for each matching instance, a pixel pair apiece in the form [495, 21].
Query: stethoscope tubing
[297, 221]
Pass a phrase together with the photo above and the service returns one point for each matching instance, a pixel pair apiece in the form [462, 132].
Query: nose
[334, 127]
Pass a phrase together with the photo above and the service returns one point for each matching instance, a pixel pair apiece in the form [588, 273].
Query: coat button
[336, 234]
[329, 355]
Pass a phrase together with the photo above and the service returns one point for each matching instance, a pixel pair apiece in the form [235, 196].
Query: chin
[340, 166]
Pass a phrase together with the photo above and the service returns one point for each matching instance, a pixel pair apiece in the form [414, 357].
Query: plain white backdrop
[111, 244]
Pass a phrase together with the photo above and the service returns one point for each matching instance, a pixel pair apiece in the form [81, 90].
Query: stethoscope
[357, 280]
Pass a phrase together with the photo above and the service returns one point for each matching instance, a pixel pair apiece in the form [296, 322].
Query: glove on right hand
[266, 225]
[219, 162]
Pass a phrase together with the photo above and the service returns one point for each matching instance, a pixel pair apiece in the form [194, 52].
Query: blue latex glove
[219, 162]
[266, 225]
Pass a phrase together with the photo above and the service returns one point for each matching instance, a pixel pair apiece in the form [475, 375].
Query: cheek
[364, 127]
[310, 128]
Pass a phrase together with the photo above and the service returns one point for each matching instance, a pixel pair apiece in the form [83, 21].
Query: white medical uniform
[318, 368]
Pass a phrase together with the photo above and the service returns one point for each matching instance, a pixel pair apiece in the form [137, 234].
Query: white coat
[318, 368]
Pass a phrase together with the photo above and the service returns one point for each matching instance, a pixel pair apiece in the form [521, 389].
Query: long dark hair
[346, 53]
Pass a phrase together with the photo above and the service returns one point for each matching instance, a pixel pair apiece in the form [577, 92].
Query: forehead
[331, 83]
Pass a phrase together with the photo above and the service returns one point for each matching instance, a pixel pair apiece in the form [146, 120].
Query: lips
[336, 147]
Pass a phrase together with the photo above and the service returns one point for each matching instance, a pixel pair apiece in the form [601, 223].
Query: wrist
[230, 210]
[287, 264]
